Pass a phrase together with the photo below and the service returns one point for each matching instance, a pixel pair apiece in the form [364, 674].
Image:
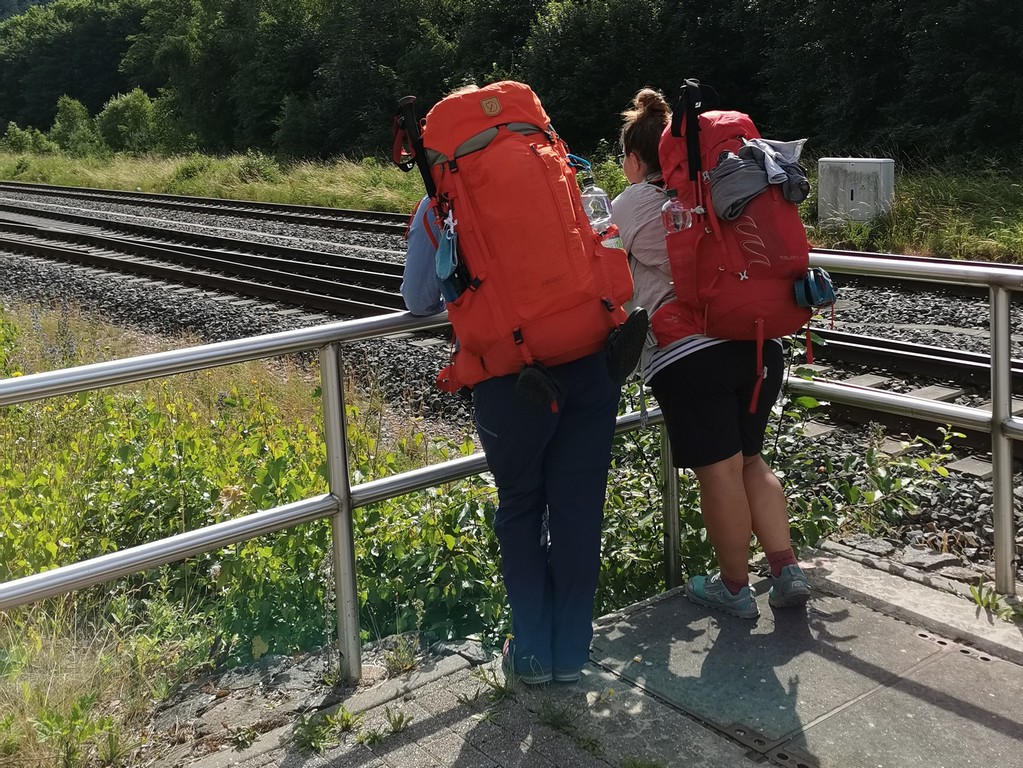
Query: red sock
[779, 560]
[735, 587]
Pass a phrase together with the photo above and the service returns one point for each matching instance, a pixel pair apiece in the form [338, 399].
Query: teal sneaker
[789, 588]
[711, 591]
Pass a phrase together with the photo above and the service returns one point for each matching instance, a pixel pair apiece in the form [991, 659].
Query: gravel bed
[957, 518]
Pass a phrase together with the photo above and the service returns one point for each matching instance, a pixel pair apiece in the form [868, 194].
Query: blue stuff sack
[446, 261]
[816, 289]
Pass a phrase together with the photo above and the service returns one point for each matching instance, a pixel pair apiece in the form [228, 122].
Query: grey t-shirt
[637, 213]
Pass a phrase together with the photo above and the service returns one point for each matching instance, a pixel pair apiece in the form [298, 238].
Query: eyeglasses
[620, 157]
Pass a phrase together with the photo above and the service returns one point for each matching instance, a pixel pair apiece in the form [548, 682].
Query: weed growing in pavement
[396, 719]
[314, 733]
[497, 685]
[564, 715]
[1005, 608]
[369, 736]
[642, 762]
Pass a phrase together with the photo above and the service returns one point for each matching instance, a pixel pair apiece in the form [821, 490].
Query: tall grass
[974, 213]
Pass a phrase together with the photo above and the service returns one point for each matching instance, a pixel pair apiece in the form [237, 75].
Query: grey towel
[735, 181]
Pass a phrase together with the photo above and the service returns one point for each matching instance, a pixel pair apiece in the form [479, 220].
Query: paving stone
[927, 560]
[971, 466]
[936, 392]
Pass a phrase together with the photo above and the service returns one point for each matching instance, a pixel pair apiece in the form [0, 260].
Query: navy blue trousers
[554, 465]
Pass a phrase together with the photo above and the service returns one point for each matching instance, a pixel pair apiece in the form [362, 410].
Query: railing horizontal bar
[944, 272]
[892, 402]
[171, 549]
[1013, 427]
[97, 375]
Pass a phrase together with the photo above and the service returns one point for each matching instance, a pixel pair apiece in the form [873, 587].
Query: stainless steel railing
[343, 498]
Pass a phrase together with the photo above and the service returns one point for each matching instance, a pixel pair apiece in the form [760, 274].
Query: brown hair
[644, 123]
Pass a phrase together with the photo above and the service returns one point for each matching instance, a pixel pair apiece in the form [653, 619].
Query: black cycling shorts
[705, 398]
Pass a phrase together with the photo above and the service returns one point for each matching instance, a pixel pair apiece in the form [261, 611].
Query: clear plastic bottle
[611, 237]
[597, 205]
[674, 215]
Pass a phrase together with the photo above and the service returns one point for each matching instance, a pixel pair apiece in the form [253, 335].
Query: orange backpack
[541, 288]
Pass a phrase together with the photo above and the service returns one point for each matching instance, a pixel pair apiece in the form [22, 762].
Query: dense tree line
[14, 7]
[315, 78]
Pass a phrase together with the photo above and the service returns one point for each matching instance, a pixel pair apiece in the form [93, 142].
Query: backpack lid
[454, 119]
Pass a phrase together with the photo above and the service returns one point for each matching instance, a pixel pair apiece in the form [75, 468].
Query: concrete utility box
[854, 188]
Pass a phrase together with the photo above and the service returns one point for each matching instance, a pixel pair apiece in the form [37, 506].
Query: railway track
[367, 221]
[349, 282]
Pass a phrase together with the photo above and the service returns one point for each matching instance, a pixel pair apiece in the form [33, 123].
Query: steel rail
[358, 302]
[97, 225]
[371, 221]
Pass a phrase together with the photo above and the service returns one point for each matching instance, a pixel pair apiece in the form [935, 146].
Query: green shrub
[127, 122]
[26, 140]
[74, 131]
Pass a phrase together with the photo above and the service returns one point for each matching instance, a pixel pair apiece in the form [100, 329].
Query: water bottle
[674, 215]
[597, 205]
[612, 238]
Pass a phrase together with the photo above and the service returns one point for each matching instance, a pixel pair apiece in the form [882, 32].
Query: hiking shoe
[625, 345]
[534, 674]
[711, 591]
[567, 675]
[789, 588]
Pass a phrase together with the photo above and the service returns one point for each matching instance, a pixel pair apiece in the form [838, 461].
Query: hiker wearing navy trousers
[548, 464]
[706, 388]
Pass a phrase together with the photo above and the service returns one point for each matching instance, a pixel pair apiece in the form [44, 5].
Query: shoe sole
[791, 600]
[541, 679]
[753, 613]
[567, 677]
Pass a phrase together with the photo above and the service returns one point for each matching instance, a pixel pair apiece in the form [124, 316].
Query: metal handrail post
[669, 499]
[1001, 443]
[342, 528]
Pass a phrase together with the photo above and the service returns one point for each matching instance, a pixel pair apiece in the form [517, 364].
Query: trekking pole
[406, 122]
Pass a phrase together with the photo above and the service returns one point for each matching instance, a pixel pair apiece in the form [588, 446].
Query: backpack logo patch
[751, 242]
[491, 106]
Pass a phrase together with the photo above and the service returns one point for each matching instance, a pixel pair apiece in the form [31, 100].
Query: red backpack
[733, 279]
[539, 286]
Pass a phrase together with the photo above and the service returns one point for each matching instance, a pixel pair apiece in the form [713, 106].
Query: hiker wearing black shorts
[704, 387]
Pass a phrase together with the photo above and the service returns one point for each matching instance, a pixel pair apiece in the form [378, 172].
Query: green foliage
[26, 140]
[8, 345]
[314, 733]
[1005, 608]
[872, 490]
[235, 75]
[74, 131]
[69, 732]
[127, 122]
[397, 720]
[71, 47]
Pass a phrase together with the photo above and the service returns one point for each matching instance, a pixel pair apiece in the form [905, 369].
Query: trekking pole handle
[407, 111]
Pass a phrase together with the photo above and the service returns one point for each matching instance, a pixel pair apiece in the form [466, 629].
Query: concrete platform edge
[924, 600]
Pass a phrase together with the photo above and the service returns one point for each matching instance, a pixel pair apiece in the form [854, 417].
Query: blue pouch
[816, 289]
[446, 262]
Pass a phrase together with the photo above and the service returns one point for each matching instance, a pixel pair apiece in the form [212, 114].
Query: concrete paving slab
[760, 681]
[954, 710]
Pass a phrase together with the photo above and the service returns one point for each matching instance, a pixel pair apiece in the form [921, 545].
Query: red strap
[760, 365]
[401, 152]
